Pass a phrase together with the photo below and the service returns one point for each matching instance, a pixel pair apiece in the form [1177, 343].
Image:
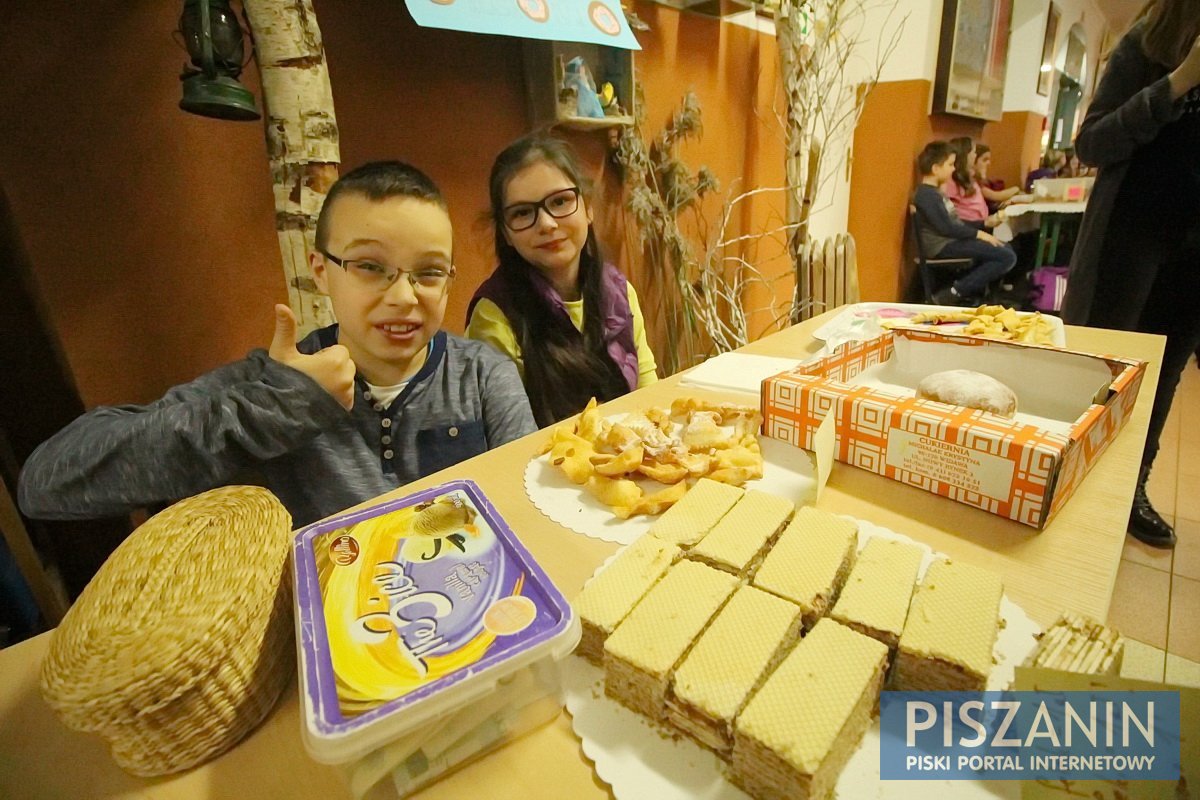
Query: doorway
[1063, 124]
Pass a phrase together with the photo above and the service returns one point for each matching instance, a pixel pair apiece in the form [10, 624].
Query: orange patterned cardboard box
[1023, 469]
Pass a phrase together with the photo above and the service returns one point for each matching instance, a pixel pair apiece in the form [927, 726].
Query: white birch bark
[827, 70]
[302, 138]
[793, 19]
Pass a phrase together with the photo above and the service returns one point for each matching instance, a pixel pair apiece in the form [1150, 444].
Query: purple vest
[618, 317]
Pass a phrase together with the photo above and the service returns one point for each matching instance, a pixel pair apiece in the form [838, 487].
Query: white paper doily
[640, 761]
[787, 472]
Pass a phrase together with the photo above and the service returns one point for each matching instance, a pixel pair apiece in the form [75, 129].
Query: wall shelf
[593, 123]
[545, 63]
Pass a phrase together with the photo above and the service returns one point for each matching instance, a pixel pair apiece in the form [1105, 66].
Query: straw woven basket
[182, 643]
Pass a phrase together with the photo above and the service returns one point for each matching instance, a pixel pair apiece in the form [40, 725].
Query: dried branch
[820, 42]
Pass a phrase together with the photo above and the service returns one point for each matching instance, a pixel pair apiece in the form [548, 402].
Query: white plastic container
[1063, 189]
[427, 635]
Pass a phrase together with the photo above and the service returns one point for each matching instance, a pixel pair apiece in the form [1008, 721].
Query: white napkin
[736, 372]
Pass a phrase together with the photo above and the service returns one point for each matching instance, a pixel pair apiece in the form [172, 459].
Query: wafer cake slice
[735, 542]
[739, 650]
[610, 596]
[686, 522]
[641, 654]
[802, 726]
[810, 562]
[875, 598]
[1078, 644]
[951, 628]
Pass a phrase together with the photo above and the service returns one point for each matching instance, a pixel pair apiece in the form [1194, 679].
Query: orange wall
[733, 71]
[150, 230]
[895, 125]
[1016, 142]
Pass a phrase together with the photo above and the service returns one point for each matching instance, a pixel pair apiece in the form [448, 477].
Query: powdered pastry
[964, 387]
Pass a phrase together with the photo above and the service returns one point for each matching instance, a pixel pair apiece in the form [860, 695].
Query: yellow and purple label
[402, 601]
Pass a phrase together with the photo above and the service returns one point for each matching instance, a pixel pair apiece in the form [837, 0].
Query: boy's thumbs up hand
[332, 367]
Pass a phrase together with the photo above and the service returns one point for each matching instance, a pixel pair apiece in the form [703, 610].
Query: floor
[1157, 598]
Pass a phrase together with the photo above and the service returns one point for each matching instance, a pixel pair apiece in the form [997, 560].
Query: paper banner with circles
[591, 21]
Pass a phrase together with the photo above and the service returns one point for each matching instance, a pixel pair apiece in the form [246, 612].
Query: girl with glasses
[569, 320]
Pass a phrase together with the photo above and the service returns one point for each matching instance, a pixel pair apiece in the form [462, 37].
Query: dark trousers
[991, 264]
[1152, 285]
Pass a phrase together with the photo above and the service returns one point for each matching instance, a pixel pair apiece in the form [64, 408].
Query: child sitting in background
[1052, 163]
[943, 235]
[994, 191]
[352, 411]
[970, 202]
[569, 320]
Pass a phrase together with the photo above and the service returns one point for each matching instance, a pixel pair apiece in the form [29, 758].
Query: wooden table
[1072, 564]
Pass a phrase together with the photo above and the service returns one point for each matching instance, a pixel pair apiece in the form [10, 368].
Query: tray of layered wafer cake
[739, 647]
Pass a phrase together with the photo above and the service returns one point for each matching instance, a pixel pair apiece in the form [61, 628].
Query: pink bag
[1050, 284]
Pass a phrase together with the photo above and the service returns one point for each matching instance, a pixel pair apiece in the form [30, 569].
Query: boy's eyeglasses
[428, 282]
[523, 216]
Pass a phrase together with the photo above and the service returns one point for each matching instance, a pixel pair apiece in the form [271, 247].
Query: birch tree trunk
[302, 138]
[791, 26]
[827, 74]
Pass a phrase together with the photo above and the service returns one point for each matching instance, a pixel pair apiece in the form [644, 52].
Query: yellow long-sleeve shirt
[489, 324]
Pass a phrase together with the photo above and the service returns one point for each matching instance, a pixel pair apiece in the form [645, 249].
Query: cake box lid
[408, 610]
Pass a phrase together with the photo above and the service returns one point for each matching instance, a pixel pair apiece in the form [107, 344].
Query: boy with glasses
[352, 411]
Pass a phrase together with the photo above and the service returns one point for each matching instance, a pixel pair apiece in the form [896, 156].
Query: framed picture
[1046, 70]
[973, 58]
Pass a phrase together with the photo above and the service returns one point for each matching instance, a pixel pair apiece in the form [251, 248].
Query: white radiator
[829, 271]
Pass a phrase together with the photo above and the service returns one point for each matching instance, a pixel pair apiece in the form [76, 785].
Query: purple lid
[400, 606]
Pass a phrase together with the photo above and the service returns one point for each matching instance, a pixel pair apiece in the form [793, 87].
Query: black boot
[1145, 524]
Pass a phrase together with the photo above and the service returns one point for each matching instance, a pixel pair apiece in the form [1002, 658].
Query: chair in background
[936, 273]
[50, 600]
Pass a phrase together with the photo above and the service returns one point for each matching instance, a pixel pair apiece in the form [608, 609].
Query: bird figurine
[577, 76]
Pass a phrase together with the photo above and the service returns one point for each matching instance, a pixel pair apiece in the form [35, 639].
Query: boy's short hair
[379, 180]
[934, 153]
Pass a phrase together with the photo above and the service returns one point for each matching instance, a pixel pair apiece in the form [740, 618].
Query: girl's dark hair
[962, 169]
[1171, 28]
[564, 368]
